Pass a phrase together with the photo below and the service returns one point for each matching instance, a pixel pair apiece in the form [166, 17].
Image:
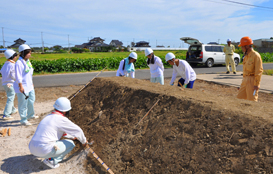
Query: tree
[271, 38]
[132, 44]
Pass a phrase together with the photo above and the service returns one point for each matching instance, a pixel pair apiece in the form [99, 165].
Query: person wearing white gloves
[23, 85]
[46, 142]
[8, 78]
[156, 67]
[182, 68]
[126, 66]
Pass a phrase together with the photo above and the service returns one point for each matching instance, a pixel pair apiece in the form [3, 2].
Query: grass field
[41, 57]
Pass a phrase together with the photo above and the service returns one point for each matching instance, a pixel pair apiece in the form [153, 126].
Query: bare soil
[200, 130]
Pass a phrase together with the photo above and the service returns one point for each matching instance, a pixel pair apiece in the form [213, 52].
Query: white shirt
[184, 70]
[157, 68]
[22, 76]
[50, 130]
[124, 72]
[8, 73]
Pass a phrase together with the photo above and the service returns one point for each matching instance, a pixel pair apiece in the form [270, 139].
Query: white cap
[148, 51]
[228, 40]
[169, 56]
[9, 53]
[23, 47]
[62, 104]
[133, 55]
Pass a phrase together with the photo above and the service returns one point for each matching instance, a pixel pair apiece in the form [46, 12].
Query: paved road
[83, 78]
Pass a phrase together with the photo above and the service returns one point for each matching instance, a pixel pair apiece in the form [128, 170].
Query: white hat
[23, 47]
[133, 55]
[9, 53]
[169, 56]
[228, 40]
[148, 51]
[62, 104]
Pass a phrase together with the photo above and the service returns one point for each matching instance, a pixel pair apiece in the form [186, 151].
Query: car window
[208, 48]
[195, 48]
[216, 49]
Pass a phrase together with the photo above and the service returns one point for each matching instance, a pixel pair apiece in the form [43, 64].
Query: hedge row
[73, 65]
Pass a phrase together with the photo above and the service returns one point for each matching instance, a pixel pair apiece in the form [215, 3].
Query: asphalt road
[83, 78]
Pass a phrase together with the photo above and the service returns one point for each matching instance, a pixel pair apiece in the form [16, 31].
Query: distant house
[116, 43]
[160, 46]
[18, 42]
[265, 43]
[95, 44]
[142, 44]
[2, 50]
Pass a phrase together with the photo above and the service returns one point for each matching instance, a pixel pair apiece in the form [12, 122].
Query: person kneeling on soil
[46, 141]
[183, 69]
[126, 66]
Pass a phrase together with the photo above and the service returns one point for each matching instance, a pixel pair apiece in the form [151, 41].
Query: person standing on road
[46, 142]
[156, 67]
[229, 50]
[24, 85]
[252, 71]
[182, 68]
[126, 66]
[8, 78]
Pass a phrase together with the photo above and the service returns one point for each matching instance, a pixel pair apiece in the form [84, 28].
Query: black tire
[209, 63]
[236, 61]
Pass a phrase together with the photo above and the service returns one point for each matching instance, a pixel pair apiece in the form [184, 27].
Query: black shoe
[234, 72]
[227, 72]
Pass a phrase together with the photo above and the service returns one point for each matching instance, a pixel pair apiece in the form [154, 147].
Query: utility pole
[218, 41]
[3, 37]
[68, 44]
[43, 49]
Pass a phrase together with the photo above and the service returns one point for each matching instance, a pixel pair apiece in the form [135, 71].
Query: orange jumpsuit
[252, 73]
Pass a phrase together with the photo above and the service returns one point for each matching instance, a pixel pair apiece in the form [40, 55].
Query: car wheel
[209, 63]
[236, 61]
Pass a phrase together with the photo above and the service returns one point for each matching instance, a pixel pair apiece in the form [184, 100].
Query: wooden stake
[9, 131]
[148, 112]
[101, 162]
[5, 132]
[86, 85]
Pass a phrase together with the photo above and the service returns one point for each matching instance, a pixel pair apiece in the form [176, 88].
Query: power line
[257, 6]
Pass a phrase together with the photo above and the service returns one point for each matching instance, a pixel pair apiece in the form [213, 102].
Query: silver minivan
[208, 54]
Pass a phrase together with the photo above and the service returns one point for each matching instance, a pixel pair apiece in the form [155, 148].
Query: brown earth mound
[188, 131]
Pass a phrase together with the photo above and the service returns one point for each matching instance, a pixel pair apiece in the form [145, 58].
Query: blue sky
[155, 21]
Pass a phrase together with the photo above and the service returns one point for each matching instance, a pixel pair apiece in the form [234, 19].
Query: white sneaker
[26, 124]
[50, 163]
[34, 117]
[7, 118]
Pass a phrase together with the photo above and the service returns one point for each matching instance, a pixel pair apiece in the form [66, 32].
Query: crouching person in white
[46, 141]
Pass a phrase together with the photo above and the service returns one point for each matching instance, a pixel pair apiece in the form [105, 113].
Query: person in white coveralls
[46, 142]
[182, 68]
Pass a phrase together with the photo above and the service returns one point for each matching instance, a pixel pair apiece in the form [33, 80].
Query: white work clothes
[22, 76]
[157, 68]
[50, 130]
[184, 70]
[8, 73]
[122, 72]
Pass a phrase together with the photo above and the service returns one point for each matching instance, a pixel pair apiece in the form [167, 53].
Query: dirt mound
[188, 131]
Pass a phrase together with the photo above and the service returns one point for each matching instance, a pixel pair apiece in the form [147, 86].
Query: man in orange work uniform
[252, 71]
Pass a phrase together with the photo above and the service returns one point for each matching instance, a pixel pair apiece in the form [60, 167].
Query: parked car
[208, 54]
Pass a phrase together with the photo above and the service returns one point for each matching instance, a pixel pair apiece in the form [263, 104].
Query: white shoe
[50, 163]
[34, 117]
[7, 118]
[26, 124]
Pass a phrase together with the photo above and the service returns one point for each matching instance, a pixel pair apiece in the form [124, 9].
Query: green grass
[90, 55]
[268, 72]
